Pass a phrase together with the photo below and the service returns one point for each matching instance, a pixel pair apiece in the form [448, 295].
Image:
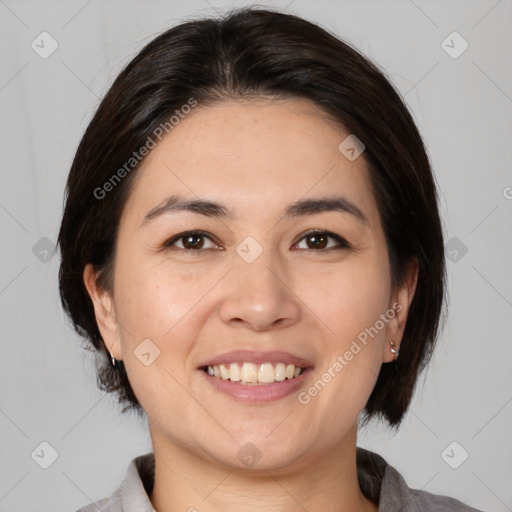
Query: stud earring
[394, 351]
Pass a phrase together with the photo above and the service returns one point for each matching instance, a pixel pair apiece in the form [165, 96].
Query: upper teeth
[252, 373]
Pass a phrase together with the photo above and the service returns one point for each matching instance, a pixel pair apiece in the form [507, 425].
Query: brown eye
[318, 240]
[191, 241]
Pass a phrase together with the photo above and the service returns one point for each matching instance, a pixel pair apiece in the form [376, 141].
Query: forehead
[254, 156]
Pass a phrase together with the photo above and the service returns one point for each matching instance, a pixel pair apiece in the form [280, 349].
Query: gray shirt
[379, 482]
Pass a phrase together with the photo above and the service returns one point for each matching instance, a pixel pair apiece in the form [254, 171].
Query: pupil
[193, 242]
[318, 241]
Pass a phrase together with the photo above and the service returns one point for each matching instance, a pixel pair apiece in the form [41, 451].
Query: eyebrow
[309, 206]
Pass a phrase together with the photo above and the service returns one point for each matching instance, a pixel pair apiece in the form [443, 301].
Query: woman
[251, 240]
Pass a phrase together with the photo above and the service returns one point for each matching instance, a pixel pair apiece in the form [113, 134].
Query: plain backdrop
[461, 99]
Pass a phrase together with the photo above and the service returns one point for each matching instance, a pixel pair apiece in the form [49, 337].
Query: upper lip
[257, 357]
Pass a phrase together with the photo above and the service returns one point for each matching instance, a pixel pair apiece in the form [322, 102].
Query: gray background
[463, 107]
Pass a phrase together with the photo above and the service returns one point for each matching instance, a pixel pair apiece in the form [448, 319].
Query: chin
[257, 454]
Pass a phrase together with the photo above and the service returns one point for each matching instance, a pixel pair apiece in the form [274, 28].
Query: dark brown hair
[250, 53]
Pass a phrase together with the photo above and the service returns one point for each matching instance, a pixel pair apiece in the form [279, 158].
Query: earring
[113, 359]
[394, 351]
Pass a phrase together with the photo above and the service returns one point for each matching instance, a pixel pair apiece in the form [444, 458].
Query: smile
[254, 374]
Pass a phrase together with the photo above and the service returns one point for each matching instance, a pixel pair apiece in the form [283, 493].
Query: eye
[317, 240]
[191, 241]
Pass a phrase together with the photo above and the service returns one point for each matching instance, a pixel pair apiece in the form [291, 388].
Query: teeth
[280, 371]
[224, 372]
[234, 372]
[266, 373]
[250, 373]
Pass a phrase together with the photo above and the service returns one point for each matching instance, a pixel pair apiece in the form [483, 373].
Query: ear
[104, 311]
[400, 303]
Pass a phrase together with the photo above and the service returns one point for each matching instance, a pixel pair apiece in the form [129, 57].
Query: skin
[256, 157]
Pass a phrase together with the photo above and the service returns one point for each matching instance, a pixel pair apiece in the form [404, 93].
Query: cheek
[152, 309]
[349, 304]
[153, 299]
[349, 298]
[355, 300]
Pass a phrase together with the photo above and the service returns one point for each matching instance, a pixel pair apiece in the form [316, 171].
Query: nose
[259, 295]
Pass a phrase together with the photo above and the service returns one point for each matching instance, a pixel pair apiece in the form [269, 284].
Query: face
[269, 274]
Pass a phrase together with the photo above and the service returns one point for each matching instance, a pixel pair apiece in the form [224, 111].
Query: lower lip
[257, 392]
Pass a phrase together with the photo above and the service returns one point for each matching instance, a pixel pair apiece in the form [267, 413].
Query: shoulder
[382, 483]
[415, 500]
[110, 504]
[133, 493]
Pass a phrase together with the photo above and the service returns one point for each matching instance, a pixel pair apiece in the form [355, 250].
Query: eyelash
[342, 243]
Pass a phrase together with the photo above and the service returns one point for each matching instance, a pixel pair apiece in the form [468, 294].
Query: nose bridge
[255, 266]
[258, 294]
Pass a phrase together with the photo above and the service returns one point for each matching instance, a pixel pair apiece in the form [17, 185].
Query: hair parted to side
[250, 53]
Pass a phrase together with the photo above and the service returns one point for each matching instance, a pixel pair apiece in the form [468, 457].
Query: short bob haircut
[253, 53]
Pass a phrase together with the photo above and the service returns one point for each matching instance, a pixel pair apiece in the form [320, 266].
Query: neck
[190, 481]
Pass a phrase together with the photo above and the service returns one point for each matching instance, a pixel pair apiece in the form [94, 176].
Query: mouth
[256, 376]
